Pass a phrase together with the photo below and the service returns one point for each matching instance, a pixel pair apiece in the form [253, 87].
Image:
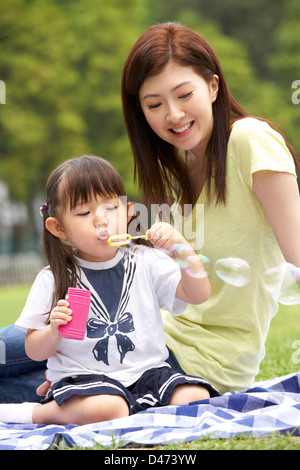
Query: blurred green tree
[61, 62]
[254, 23]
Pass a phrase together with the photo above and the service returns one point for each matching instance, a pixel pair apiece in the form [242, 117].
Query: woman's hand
[44, 388]
[297, 278]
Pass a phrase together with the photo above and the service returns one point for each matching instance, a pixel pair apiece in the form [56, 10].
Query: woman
[194, 143]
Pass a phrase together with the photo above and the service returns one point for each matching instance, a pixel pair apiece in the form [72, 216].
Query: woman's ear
[214, 88]
[54, 227]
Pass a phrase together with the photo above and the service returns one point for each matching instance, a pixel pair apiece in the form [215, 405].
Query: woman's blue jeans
[19, 375]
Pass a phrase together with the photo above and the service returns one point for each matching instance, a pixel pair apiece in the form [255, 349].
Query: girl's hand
[60, 315]
[164, 236]
[192, 289]
[41, 344]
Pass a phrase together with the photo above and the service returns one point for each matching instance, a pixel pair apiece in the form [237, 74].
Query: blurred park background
[60, 67]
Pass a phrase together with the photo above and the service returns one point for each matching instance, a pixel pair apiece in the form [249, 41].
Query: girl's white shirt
[135, 341]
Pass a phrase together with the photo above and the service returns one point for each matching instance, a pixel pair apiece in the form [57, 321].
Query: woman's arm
[278, 193]
[41, 344]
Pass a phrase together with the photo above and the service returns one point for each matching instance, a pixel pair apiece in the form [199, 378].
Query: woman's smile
[182, 130]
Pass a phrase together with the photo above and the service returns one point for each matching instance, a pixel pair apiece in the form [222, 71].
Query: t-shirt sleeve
[258, 147]
[165, 276]
[38, 303]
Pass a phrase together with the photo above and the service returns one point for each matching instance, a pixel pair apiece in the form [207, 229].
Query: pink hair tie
[43, 209]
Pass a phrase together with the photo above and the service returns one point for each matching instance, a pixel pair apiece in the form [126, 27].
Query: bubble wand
[123, 239]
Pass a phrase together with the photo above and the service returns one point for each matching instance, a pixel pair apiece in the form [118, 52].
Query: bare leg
[188, 393]
[81, 410]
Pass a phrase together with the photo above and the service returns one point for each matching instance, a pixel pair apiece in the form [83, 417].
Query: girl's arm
[278, 193]
[191, 289]
[41, 344]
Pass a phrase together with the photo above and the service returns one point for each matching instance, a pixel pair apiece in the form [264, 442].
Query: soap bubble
[283, 281]
[193, 269]
[191, 263]
[273, 278]
[179, 249]
[234, 271]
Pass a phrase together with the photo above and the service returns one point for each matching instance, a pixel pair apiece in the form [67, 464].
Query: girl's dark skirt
[154, 388]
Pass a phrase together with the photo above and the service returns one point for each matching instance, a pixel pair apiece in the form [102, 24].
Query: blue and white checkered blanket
[265, 408]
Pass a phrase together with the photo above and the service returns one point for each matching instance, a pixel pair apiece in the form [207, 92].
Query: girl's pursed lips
[103, 236]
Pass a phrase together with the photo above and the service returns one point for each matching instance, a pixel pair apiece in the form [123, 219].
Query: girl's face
[177, 104]
[89, 225]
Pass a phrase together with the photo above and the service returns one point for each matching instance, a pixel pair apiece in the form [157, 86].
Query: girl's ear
[54, 227]
[130, 211]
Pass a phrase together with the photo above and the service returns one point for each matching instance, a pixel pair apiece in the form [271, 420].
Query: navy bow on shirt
[97, 328]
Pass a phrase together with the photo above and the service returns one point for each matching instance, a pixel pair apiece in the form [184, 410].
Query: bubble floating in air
[193, 269]
[233, 271]
[191, 263]
[283, 282]
[180, 249]
[273, 278]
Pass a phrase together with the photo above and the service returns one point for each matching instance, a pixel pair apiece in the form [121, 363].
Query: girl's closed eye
[110, 210]
[82, 214]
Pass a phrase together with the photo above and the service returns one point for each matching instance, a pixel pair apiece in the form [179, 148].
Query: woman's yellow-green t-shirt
[223, 339]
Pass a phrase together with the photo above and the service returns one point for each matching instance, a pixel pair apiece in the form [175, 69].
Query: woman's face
[177, 104]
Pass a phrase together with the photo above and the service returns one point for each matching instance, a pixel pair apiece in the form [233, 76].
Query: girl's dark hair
[74, 181]
[159, 166]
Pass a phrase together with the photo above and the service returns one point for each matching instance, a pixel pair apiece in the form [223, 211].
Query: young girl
[120, 367]
[194, 144]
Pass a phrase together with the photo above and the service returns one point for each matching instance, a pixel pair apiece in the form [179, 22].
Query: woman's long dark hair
[76, 180]
[159, 166]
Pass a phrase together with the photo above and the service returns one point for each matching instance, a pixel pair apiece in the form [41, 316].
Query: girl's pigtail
[61, 260]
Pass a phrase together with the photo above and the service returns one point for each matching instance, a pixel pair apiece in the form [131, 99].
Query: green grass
[281, 358]
[12, 301]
